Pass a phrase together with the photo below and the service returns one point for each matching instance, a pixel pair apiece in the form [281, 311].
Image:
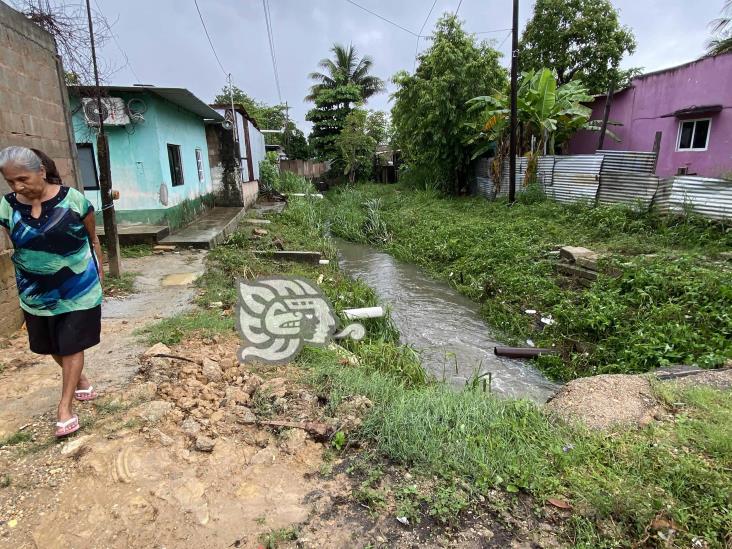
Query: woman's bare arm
[91, 228]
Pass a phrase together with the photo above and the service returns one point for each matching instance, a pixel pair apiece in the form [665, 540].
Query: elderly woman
[57, 269]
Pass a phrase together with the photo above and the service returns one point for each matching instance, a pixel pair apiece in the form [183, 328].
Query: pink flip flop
[85, 394]
[67, 427]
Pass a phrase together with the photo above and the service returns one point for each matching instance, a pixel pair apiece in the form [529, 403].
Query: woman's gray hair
[20, 156]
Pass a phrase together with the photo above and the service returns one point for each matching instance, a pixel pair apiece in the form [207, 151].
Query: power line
[209, 38]
[416, 49]
[491, 31]
[383, 18]
[458, 8]
[510, 32]
[268, 23]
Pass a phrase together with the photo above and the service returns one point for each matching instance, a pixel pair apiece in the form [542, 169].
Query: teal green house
[158, 151]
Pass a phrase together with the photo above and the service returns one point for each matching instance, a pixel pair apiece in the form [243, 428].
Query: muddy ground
[169, 455]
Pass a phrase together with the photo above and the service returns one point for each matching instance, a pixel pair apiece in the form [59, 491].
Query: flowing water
[445, 327]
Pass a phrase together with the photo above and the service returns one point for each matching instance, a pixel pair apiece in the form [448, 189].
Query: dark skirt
[64, 334]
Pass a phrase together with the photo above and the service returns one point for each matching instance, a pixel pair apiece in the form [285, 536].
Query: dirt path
[169, 457]
[30, 384]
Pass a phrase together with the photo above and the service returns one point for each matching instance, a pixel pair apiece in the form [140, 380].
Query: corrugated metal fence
[613, 177]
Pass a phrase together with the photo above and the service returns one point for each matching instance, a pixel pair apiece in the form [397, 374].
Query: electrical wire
[270, 33]
[491, 31]
[397, 25]
[504, 40]
[416, 49]
[458, 8]
[210, 43]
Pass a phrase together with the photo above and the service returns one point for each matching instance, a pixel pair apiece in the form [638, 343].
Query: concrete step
[207, 231]
[137, 234]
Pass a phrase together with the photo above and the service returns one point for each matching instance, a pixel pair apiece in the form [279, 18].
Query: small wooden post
[606, 114]
[656, 149]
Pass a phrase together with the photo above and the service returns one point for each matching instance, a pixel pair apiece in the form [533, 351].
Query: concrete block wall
[33, 113]
[33, 99]
[11, 316]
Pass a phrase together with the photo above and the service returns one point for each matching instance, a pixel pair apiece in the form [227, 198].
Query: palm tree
[722, 28]
[345, 68]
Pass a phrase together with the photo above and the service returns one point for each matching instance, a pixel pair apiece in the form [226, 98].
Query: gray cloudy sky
[166, 46]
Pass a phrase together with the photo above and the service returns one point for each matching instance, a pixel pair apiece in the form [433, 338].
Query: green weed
[16, 438]
[122, 285]
[273, 538]
[172, 331]
[669, 305]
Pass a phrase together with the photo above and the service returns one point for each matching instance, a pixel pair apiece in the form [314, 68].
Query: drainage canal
[444, 326]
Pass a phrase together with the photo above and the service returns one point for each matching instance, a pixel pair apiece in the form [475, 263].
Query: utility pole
[105, 173]
[514, 97]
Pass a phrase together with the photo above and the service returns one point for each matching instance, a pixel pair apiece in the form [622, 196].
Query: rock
[236, 395]
[216, 417]
[186, 403]
[190, 427]
[164, 439]
[293, 440]
[157, 349]
[205, 444]
[75, 446]
[245, 416]
[145, 391]
[265, 455]
[211, 370]
[252, 384]
[572, 253]
[154, 411]
[260, 232]
[273, 388]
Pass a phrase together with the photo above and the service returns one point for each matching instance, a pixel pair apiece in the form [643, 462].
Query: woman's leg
[71, 366]
[84, 382]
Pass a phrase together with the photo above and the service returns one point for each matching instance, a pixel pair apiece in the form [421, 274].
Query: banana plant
[549, 113]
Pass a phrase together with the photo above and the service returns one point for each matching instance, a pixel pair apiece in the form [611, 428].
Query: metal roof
[179, 96]
[238, 107]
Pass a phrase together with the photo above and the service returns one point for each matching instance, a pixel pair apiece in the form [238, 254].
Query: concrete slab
[138, 234]
[207, 231]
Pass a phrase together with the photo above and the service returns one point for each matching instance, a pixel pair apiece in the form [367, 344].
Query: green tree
[429, 116]
[722, 30]
[377, 126]
[356, 146]
[578, 39]
[296, 144]
[345, 81]
[332, 106]
[549, 113]
[345, 68]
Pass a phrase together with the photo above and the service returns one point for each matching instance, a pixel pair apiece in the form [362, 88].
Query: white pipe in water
[366, 312]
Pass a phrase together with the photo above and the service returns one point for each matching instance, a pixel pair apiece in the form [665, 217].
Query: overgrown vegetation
[671, 304]
[624, 486]
[429, 114]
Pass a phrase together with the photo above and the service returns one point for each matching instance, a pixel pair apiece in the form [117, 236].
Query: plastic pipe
[366, 312]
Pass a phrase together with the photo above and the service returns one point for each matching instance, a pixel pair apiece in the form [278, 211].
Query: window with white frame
[694, 135]
[199, 165]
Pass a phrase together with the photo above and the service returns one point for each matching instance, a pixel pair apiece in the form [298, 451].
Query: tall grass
[671, 304]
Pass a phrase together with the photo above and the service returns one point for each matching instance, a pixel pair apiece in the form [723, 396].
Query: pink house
[691, 105]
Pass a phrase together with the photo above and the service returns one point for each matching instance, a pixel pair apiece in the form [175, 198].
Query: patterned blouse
[55, 269]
